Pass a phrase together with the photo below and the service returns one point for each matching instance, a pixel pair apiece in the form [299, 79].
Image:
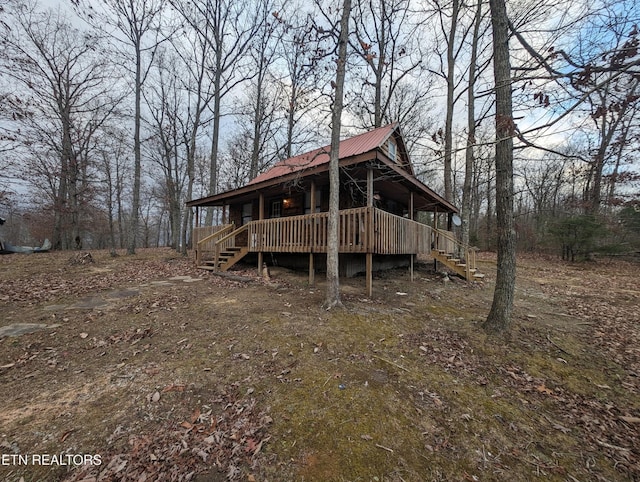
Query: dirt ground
[144, 368]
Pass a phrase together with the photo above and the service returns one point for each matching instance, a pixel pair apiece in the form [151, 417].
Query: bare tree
[164, 100]
[471, 123]
[113, 150]
[138, 28]
[263, 101]
[299, 85]
[333, 280]
[62, 101]
[229, 27]
[499, 317]
[386, 39]
[194, 52]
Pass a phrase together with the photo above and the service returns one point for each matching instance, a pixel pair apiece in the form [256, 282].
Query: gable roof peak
[349, 147]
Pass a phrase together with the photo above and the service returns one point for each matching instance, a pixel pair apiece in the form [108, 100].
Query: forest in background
[113, 114]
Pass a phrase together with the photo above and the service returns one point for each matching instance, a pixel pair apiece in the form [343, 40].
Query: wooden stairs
[225, 252]
[226, 259]
[458, 257]
[457, 265]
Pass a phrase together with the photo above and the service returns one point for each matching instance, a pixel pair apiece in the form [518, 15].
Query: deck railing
[360, 230]
[205, 237]
[308, 233]
[397, 235]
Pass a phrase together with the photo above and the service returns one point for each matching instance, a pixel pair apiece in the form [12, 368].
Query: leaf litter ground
[170, 373]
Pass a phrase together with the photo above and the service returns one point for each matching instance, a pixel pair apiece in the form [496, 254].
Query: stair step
[478, 275]
[207, 267]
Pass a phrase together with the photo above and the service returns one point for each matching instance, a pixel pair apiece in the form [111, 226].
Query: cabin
[387, 215]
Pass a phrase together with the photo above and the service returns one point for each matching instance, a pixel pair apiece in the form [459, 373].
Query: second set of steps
[457, 265]
[444, 248]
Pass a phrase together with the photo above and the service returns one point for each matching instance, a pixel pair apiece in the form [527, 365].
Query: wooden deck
[366, 230]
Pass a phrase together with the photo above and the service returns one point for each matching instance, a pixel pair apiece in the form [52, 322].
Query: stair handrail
[218, 233]
[218, 243]
[469, 251]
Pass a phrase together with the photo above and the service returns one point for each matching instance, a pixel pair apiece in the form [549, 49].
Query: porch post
[370, 231]
[411, 256]
[312, 209]
[194, 236]
[260, 217]
[435, 237]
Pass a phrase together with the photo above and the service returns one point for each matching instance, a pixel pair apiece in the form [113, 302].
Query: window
[392, 150]
[247, 213]
[307, 202]
[276, 209]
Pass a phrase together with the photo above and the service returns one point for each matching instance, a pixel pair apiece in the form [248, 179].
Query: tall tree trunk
[499, 318]
[135, 205]
[333, 284]
[215, 137]
[471, 128]
[448, 126]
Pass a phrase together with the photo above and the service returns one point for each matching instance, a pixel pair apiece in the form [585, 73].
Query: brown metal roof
[348, 148]
[353, 151]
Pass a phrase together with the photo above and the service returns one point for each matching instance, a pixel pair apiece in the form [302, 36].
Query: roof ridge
[320, 155]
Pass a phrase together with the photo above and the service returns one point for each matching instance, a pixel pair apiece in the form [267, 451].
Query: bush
[578, 235]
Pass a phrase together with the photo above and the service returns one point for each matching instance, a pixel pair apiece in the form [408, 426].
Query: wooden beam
[369, 274]
[369, 187]
[312, 270]
[412, 255]
[370, 229]
[312, 201]
[260, 218]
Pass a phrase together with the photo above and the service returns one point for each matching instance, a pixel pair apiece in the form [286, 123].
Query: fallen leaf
[173, 388]
[195, 416]
[543, 389]
[630, 419]
[83, 335]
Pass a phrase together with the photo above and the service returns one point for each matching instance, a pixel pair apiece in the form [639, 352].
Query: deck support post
[412, 255]
[369, 275]
[312, 210]
[435, 237]
[370, 228]
[312, 270]
[260, 217]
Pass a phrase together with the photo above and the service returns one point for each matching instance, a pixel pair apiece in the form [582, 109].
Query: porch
[366, 230]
